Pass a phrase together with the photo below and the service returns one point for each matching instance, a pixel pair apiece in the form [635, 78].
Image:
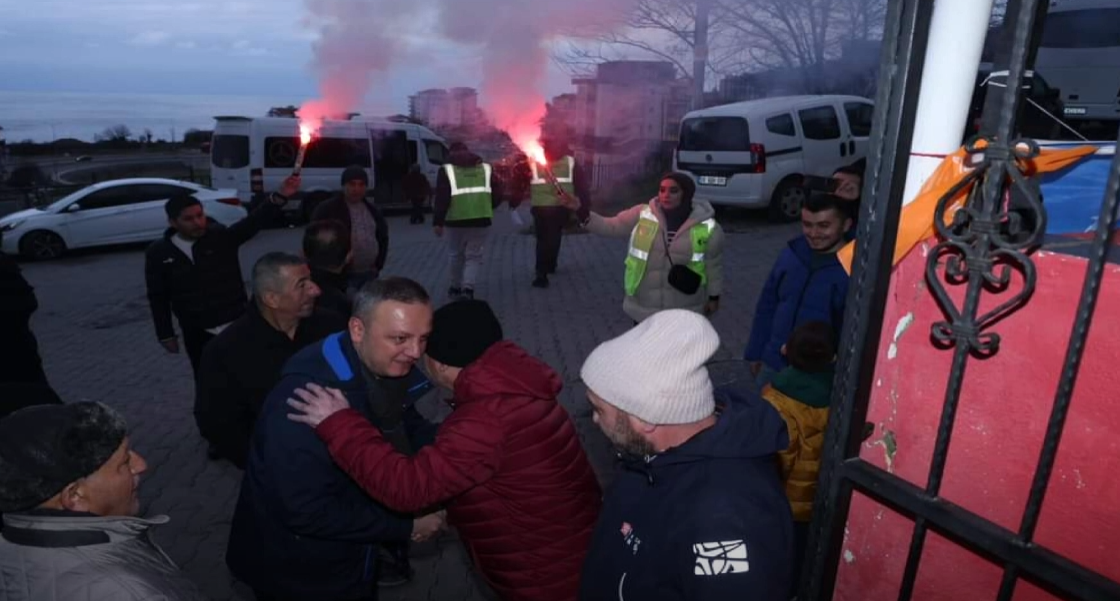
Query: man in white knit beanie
[698, 513]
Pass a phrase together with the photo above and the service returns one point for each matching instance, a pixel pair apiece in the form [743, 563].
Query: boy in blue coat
[807, 283]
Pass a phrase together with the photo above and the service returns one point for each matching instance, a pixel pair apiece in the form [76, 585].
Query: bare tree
[116, 133]
[660, 29]
[744, 35]
[803, 34]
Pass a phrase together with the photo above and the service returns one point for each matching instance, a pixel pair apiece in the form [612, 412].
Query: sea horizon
[48, 116]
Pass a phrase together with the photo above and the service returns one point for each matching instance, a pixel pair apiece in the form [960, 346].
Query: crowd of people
[309, 383]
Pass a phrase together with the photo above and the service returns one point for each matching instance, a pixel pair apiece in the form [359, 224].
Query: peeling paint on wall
[900, 329]
[890, 447]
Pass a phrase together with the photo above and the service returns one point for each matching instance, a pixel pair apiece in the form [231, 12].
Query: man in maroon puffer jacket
[507, 461]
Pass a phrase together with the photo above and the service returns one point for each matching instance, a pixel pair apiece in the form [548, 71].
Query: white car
[112, 212]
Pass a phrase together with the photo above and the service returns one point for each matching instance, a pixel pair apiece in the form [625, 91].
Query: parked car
[757, 153]
[111, 212]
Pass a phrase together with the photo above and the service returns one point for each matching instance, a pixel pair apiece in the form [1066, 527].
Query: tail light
[759, 152]
[256, 181]
[233, 202]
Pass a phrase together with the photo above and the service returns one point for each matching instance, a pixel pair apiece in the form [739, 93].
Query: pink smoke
[362, 39]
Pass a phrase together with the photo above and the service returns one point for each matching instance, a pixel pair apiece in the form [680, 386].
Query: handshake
[427, 526]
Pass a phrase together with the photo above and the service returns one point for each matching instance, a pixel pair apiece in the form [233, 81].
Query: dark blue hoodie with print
[707, 520]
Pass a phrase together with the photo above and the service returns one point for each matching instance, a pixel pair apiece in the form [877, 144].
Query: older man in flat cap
[68, 482]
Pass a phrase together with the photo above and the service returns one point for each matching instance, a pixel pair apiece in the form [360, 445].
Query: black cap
[355, 172]
[462, 331]
[43, 449]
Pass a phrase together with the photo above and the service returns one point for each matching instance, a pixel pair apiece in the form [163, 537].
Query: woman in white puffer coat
[674, 259]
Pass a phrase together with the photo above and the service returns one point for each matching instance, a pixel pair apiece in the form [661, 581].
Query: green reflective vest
[542, 192]
[471, 195]
[641, 242]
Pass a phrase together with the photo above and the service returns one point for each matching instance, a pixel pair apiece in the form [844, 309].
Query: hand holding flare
[304, 141]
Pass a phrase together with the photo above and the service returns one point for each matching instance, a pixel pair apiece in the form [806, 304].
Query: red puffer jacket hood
[505, 369]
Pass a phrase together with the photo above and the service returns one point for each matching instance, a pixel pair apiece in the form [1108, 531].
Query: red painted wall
[1005, 404]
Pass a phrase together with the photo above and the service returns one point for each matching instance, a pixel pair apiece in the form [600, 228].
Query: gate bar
[901, 59]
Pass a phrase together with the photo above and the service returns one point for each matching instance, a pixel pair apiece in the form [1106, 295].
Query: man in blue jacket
[698, 514]
[807, 283]
[302, 529]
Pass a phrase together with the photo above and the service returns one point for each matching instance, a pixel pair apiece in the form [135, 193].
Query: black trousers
[549, 224]
[417, 213]
[194, 340]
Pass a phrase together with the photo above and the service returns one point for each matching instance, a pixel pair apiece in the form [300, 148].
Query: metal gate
[977, 251]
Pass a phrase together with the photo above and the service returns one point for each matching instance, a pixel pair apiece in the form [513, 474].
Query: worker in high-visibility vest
[675, 258]
[550, 213]
[466, 194]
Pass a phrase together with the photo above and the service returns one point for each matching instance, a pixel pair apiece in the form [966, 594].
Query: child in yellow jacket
[801, 394]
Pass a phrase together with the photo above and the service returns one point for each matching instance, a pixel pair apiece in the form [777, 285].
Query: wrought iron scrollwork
[986, 242]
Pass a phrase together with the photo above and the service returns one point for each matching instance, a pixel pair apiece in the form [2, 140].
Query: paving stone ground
[98, 344]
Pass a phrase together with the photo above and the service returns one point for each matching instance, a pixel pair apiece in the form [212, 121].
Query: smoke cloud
[361, 40]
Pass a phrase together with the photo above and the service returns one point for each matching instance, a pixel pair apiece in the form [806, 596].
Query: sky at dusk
[211, 47]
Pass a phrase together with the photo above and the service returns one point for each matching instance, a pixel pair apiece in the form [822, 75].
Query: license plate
[1075, 110]
[711, 180]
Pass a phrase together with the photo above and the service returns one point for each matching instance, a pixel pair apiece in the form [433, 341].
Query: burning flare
[307, 129]
[535, 151]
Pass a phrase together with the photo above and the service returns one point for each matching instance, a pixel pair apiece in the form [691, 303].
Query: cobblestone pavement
[97, 340]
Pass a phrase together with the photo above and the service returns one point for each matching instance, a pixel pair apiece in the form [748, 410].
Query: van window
[323, 153]
[859, 118]
[781, 125]
[413, 152]
[390, 147]
[820, 123]
[229, 152]
[1093, 28]
[726, 134]
[437, 153]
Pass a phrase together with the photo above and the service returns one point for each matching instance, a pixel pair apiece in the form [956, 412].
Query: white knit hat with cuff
[656, 371]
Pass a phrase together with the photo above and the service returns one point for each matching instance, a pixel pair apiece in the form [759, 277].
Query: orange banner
[916, 223]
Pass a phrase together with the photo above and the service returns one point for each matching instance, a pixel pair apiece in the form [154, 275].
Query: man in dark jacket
[549, 213]
[22, 379]
[417, 190]
[369, 232]
[507, 461]
[699, 513]
[326, 245]
[302, 528]
[466, 195]
[807, 283]
[194, 271]
[242, 364]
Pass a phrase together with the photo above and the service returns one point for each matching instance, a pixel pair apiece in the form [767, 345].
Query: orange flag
[916, 223]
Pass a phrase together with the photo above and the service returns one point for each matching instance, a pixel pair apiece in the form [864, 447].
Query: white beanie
[656, 371]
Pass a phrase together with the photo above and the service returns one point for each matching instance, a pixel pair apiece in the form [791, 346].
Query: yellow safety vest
[542, 192]
[471, 195]
[641, 242]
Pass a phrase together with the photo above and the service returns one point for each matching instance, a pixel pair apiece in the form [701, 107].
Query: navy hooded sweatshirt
[707, 520]
[803, 286]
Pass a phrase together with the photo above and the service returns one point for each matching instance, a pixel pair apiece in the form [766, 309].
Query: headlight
[11, 225]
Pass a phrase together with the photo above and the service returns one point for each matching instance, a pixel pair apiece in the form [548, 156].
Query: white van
[755, 153]
[253, 155]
